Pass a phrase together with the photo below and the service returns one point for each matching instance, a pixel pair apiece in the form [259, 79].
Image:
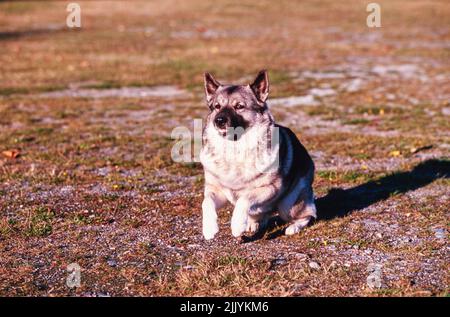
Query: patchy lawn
[86, 175]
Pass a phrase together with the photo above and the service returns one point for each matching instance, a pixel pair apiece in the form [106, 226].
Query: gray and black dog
[279, 180]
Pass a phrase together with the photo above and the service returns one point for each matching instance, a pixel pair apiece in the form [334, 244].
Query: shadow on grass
[341, 202]
[13, 35]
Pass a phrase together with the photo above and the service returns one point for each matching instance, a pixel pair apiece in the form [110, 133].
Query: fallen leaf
[395, 153]
[11, 153]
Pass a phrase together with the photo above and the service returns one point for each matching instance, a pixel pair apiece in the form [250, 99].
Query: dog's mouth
[222, 132]
[231, 133]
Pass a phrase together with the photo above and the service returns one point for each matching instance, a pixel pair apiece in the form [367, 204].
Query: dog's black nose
[220, 121]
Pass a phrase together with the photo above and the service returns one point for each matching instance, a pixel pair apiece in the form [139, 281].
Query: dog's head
[237, 107]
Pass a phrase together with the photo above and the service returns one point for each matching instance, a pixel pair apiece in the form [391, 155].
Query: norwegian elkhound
[252, 162]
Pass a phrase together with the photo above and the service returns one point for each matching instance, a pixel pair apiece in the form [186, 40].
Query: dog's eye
[217, 106]
[239, 106]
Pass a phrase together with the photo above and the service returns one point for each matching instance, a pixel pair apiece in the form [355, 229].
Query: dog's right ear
[211, 86]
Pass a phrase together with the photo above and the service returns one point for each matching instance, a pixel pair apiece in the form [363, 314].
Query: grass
[8, 91]
[344, 177]
[357, 121]
[40, 222]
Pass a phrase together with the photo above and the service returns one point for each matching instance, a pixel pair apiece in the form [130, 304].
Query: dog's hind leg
[297, 225]
[300, 213]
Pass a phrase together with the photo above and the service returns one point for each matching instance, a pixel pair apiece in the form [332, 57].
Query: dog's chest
[231, 168]
[234, 164]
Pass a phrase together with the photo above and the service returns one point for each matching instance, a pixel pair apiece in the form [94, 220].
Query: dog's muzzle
[228, 123]
[221, 121]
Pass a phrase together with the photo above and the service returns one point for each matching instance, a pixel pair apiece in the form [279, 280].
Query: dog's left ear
[260, 86]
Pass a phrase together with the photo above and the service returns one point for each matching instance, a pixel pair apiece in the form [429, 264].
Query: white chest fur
[237, 163]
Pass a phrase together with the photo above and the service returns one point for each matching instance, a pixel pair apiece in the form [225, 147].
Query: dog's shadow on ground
[341, 202]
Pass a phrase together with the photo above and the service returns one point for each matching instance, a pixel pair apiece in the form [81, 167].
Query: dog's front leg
[239, 218]
[211, 203]
[247, 205]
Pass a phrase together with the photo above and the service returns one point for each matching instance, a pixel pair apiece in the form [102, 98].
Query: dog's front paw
[238, 227]
[252, 226]
[210, 230]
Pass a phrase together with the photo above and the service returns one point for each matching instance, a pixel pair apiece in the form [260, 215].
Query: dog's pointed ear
[260, 86]
[211, 85]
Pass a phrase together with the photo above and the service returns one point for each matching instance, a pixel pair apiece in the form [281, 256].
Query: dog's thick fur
[256, 193]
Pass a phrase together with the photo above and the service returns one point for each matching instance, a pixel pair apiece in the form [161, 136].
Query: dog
[259, 185]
